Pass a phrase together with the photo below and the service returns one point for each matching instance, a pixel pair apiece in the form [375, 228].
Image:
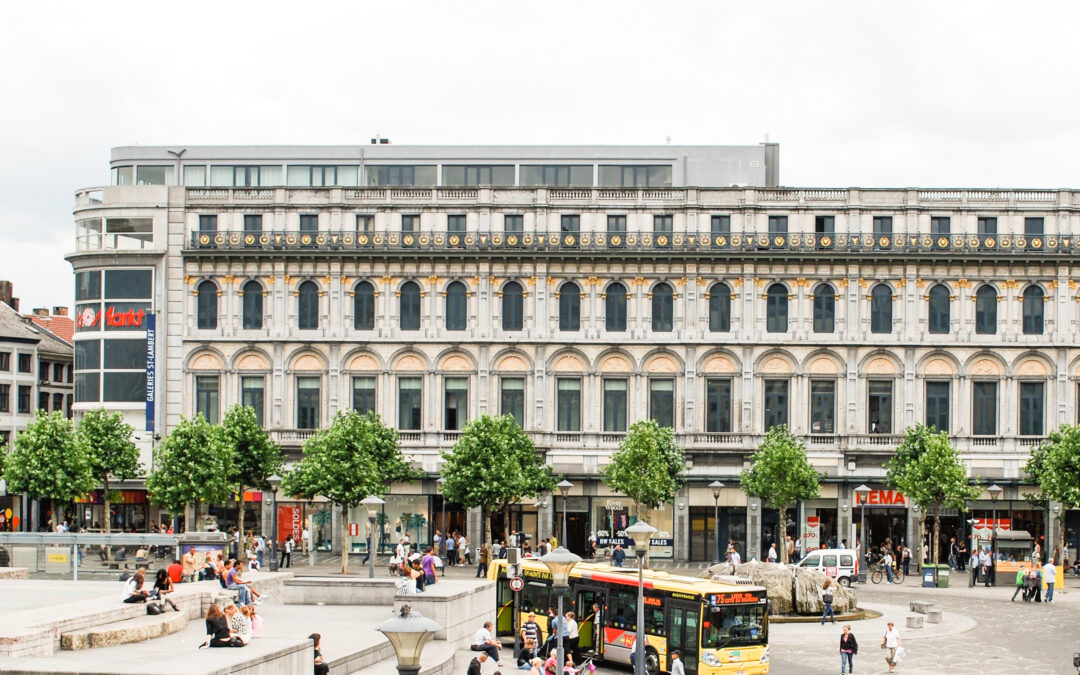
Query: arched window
[410, 306]
[1033, 310]
[569, 307]
[206, 304]
[307, 306]
[881, 309]
[364, 306]
[720, 308]
[457, 307]
[253, 305]
[663, 309]
[513, 307]
[938, 307]
[986, 310]
[615, 308]
[824, 309]
[776, 306]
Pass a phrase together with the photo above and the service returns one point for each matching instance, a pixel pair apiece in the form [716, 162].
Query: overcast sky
[857, 94]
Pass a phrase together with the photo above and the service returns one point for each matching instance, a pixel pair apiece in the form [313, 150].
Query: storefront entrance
[732, 529]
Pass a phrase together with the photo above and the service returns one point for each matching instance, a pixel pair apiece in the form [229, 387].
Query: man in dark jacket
[474, 665]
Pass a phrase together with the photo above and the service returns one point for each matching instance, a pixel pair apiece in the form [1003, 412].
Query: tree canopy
[106, 439]
[1055, 467]
[356, 457]
[253, 457]
[781, 475]
[48, 462]
[648, 467]
[190, 467]
[493, 465]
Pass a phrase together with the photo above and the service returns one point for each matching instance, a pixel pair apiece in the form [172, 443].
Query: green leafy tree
[356, 457]
[493, 465]
[648, 467]
[253, 457]
[106, 439]
[1055, 467]
[927, 470]
[190, 468]
[781, 475]
[48, 462]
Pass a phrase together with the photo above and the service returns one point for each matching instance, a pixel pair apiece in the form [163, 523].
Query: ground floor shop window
[732, 531]
[612, 515]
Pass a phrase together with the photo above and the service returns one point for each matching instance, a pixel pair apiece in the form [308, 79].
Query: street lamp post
[559, 562]
[640, 532]
[408, 632]
[372, 504]
[860, 495]
[564, 489]
[716, 487]
[995, 491]
[274, 482]
[442, 521]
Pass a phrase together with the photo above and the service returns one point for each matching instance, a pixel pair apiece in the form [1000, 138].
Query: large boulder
[791, 590]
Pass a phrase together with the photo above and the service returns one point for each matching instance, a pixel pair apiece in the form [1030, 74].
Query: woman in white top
[891, 642]
[571, 633]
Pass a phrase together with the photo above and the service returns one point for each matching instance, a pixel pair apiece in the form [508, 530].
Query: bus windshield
[735, 625]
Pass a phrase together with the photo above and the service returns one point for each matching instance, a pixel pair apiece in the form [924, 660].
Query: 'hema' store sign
[881, 498]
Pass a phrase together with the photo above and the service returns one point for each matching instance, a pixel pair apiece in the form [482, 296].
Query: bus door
[684, 625]
[591, 619]
[505, 621]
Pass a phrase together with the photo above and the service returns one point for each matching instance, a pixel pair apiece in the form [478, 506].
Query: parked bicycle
[878, 574]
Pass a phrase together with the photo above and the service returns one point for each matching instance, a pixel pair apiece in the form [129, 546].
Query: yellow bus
[721, 628]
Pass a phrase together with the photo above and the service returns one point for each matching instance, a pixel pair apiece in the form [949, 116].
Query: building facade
[580, 290]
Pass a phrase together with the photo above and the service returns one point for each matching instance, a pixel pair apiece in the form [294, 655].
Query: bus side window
[622, 609]
[654, 621]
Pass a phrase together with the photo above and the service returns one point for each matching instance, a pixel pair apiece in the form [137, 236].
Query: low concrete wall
[460, 606]
[14, 573]
[338, 591]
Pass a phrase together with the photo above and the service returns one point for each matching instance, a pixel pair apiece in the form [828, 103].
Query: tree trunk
[937, 535]
[108, 510]
[344, 541]
[506, 524]
[240, 516]
[485, 527]
[921, 534]
[194, 519]
[1061, 541]
[782, 543]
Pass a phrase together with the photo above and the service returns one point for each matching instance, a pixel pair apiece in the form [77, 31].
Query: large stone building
[581, 289]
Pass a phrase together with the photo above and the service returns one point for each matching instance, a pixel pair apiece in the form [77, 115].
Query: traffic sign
[516, 584]
[354, 529]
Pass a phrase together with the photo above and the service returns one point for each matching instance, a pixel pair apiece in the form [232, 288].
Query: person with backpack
[849, 647]
[826, 594]
[1020, 577]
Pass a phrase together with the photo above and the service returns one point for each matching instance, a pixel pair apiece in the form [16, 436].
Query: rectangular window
[776, 403]
[365, 223]
[363, 394]
[43, 401]
[57, 402]
[1032, 407]
[88, 285]
[940, 226]
[125, 354]
[5, 361]
[987, 226]
[125, 387]
[616, 230]
[880, 406]
[662, 402]
[128, 284]
[88, 354]
[253, 395]
[663, 225]
[570, 225]
[154, 175]
[5, 398]
[472, 176]
[1033, 227]
[208, 224]
[455, 224]
[824, 225]
[513, 224]
[778, 225]
[656, 176]
[409, 223]
[823, 406]
[568, 404]
[882, 226]
[614, 405]
[206, 397]
[26, 363]
[123, 175]
[512, 398]
[88, 387]
[401, 175]
[253, 223]
[937, 405]
[195, 176]
[307, 402]
[556, 176]
[309, 222]
[720, 226]
[456, 411]
[718, 406]
[410, 392]
[984, 408]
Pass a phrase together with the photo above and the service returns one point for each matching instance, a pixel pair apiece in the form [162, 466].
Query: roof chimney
[6, 290]
[60, 311]
[41, 311]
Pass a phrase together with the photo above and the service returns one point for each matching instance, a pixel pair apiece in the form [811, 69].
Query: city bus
[720, 628]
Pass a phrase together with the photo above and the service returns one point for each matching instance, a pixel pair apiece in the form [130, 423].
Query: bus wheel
[652, 661]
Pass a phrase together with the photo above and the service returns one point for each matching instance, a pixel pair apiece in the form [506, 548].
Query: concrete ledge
[339, 591]
[133, 630]
[14, 573]
[460, 606]
[915, 621]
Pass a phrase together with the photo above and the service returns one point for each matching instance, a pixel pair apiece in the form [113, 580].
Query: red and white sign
[290, 521]
[881, 498]
[354, 529]
[980, 527]
[88, 318]
[812, 535]
[516, 584]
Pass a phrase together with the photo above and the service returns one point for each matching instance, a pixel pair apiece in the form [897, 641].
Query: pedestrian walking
[618, 556]
[286, 553]
[482, 559]
[954, 553]
[887, 563]
[891, 642]
[1037, 590]
[849, 647]
[906, 561]
[772, 557]
[1050, 574]
[826, 593]
[986, 564]
[1021, 577]
[451, 557]
[676, 663]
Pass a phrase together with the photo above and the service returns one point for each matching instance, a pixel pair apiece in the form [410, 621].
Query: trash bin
[928, 573]
[942, 576]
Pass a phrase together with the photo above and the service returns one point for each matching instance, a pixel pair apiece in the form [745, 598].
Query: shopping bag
[900, 653]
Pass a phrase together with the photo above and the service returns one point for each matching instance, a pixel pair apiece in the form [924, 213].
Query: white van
[838, 563]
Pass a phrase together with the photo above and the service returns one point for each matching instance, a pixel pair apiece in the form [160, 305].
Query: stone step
[122, 632]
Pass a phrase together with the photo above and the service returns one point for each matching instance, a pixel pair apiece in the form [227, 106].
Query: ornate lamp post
[641, 532]
[408, 632]
[442, 521]
[564, 489]
[995, 491]
[716, 486]
[860, 495]
[372, 504]
[559, 562]
[274, 482]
